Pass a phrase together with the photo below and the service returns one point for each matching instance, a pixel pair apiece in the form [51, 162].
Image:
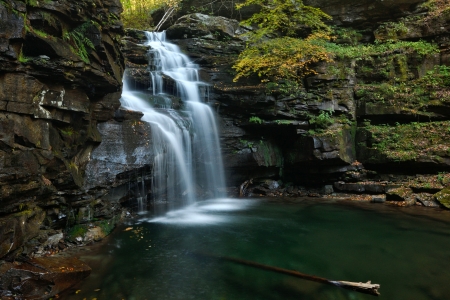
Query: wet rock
[399, 194]
[271, 184]
[443, 197]
[327, 190]
[52, 96]
[363, 187]
[125, 146]
[18, 228]
[378, 198]
[427, 200]
[41, 278]
[53, 240]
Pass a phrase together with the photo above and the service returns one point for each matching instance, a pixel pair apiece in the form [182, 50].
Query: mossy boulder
[399, 194]
[443, 197]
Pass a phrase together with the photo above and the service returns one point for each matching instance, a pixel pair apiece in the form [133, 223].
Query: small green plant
[77, 38]
[67, 131]
[347, 36]
[283, 122]
[323, 120]
[107, 226]
[256, 120]
[246, 143]
[73, 166]
[22, 58]
[33, 3]
[77, 231]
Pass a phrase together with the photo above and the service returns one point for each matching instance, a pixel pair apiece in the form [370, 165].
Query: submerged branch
[366, 288]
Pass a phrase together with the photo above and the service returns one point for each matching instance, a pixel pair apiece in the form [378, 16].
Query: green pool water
[405, 250]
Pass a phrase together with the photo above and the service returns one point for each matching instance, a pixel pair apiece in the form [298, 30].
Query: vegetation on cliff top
[291, 38]
[137, 13]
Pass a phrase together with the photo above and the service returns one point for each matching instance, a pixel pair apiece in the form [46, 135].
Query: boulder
[17, 229]
[204, 26]
[443, 197]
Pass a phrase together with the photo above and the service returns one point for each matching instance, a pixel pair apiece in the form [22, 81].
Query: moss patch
[409, 142]
[443, 197]
[77, 231]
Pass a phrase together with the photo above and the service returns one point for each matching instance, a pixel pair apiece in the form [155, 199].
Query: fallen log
[361, 287]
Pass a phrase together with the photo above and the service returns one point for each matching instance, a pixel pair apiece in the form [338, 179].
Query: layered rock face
[60, 76]
[385, 115]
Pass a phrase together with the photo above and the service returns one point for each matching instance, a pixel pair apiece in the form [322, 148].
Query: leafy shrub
[323, 120]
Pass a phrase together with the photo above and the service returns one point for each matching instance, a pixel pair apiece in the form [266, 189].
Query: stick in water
[366, 288]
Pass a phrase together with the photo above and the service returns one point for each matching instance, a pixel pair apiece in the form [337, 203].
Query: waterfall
[185, 141]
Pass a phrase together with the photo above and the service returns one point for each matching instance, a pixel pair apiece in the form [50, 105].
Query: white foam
[209, 212]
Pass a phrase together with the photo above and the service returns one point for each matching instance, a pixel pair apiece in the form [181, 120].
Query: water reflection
[404, 250]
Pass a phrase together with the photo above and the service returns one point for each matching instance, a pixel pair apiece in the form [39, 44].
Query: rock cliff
[60, 77]
[374, 125]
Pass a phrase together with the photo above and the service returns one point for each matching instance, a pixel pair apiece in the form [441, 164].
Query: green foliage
[411, 95]
[33, 3]
[107, 226]
[391, 31]
[246, 143]
[404, 142]
[77, 231]
[323, 120]
[286, 88]
[77, 38]
[283, 122]
[284, 56]
[281, 58]
[369, 51]
[69, 131]
[285, 17]
[436, 9]
[256, 120]
[137, 13]
[22, 58]
[347, 35]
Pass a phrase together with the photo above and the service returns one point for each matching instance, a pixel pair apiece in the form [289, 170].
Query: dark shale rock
[18, 228]
[41, 278]
[427, 200]
[126, 146]
[52, 97]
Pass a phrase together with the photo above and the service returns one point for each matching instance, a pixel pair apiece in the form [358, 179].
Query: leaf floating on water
[96, 290]
[77, 291]
[128, 228]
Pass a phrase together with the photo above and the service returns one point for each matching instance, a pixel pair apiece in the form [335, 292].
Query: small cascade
[185, 141]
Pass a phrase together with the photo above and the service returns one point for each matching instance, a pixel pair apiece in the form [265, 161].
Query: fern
[77, 38]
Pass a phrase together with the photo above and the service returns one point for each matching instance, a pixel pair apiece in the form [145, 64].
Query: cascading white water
[185, 143]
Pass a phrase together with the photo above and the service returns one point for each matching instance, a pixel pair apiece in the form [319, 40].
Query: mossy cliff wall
[60, 76]
[372, 121]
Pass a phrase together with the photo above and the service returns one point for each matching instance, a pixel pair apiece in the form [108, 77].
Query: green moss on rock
[406, 142]
[443, 197]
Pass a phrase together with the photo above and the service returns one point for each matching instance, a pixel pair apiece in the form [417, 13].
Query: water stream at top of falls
[185, 142]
